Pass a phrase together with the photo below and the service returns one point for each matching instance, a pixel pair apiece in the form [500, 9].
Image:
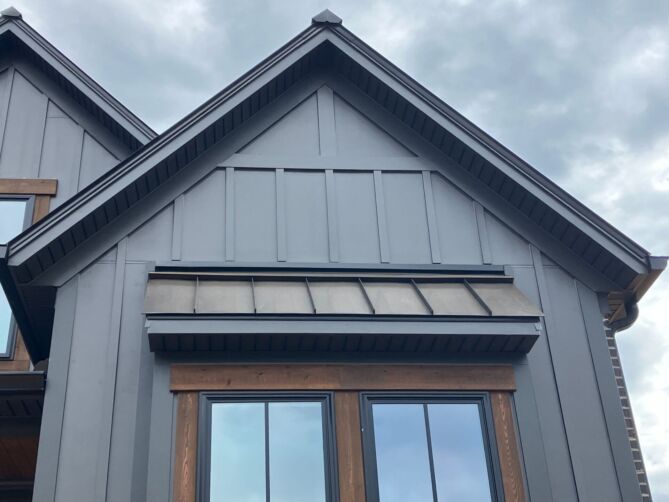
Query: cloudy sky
[578, 89]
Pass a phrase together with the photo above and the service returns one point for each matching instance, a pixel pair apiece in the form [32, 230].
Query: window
[266, 448]
[428, 448]
[14, 217]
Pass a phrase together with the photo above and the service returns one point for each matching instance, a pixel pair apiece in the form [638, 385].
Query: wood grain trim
[199, 377]
[349, 447]
[41, 208]
[21, 359]
[185, 456]
[28, 186]
[507, 447]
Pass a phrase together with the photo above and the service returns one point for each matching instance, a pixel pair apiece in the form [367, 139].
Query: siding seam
[544, 299]
[109, 392]
[280, 185]
[484, 237]
[432, 228]
[331, 204]
[7, 98]
[229, 213]
[53, 462]
[379, 196]
[177, 227]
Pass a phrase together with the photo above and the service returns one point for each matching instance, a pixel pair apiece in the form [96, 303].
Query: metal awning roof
[350, 294]
[347, 312]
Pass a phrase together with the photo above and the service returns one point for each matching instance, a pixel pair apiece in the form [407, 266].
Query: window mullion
[429, 453]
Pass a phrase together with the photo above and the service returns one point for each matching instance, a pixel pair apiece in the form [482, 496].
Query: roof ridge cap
[11, 12]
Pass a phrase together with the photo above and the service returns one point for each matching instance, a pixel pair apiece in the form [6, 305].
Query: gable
[20, 43]
[408, 137]
[305, 131]
[40, 139]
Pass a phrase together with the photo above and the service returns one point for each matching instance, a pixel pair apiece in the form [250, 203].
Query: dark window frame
[482, 399]
[207, 399]
[7, 352]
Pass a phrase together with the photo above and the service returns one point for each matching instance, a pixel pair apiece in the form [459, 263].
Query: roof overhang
[361, 311]
[568, 232]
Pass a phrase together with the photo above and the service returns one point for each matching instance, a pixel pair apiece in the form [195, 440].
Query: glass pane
[237, 452]
[460, 467]
[5, 323]
[402, 462]
[296, 456]
[12, 216]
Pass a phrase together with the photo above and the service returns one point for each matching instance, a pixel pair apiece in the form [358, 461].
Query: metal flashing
[11, 12]
[326, 17]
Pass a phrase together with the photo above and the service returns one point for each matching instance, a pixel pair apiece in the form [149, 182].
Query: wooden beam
[41, 208]
[185, 456]
[28, 186]
[507, 447]
[349, 447]
[21, 359]
[352, 377]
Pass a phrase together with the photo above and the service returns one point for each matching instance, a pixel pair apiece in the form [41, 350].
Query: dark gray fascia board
[519, 170]
[84, 84]
[324, 325]
[22, 382]
[170, 266]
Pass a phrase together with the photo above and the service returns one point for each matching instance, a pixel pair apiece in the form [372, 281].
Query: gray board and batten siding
[46, 135]
[362, 193]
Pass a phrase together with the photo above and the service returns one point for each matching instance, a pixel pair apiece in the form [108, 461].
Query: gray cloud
[579, 89]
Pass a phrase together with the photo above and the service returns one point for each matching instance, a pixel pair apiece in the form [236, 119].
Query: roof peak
[326, 17]
[11, 12]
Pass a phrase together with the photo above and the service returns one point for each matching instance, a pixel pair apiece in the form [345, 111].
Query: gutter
[628, 313]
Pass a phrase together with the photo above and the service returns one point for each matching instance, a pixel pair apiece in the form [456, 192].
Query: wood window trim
[346, 380]
[42, 190]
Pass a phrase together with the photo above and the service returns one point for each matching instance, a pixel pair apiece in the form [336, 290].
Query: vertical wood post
[185, 457]
[507, 447]
[349, 447]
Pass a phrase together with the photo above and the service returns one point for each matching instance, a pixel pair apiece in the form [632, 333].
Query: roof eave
[635, 255]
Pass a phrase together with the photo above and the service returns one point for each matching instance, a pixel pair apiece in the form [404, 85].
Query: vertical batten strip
[333, 229]
[51, 433]
[384, 246]
[280, 215]
[550, 329]
[484, 238]
[432, 229]
[110, 373]
[229, 213]
[326, 122]
[4, 112]
[177, 228]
